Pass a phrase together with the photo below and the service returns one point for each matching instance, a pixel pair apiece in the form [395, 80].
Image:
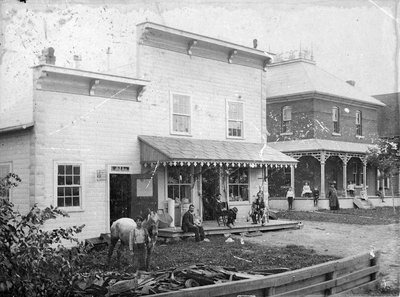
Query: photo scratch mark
[384, 11]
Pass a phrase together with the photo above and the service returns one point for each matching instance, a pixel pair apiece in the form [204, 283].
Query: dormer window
[358, 123]
[235, 119]
[286, 119]
[335, 119]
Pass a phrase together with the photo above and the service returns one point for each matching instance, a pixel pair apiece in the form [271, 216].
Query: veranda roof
[308, 145]
[184, 151]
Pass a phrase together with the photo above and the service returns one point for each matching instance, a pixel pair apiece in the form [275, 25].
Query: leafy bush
[33, 262]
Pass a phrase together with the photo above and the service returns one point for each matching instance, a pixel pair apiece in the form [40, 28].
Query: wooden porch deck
[211, 228]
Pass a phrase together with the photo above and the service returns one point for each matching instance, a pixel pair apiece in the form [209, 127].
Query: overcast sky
[352, 39]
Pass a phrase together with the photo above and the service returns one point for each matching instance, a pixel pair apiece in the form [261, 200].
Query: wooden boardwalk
[211, 228]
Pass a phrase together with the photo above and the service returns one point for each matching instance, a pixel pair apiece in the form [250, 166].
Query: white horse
[121, 228]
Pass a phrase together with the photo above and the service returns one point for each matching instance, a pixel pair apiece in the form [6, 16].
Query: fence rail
[339, 277]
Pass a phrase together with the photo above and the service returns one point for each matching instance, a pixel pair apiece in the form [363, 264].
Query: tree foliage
[386, 156]
[33, 262]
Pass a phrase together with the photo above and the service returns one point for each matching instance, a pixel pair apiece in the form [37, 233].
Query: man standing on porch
[188, 224]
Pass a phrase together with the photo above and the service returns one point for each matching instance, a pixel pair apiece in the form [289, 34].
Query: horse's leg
[111, 249]
[148, 256]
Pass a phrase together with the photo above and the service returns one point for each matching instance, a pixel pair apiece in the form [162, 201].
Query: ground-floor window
[5, 169]
[179, 183]
[358, 173]
[69, 185]
[238, 184]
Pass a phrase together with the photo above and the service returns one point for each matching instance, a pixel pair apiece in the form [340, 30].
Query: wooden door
[144, 194]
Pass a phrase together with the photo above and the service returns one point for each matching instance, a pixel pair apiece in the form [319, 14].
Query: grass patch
[375, 216]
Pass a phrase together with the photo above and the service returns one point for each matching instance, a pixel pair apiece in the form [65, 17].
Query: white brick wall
[210, 83]
[15, 148]
[100, 131]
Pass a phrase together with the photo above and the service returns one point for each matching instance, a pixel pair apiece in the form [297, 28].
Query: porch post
[345, 159]
[365, 173]
[292, 177]
[322, 161]
[378, 179]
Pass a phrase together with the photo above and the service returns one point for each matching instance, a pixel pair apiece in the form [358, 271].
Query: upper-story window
[235, 119]
[358, 123]
[5, 169]
[286, 119]
[335, 119]
[181, 114]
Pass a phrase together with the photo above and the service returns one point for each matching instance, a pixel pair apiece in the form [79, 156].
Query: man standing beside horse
[139, 242]
[189, 225]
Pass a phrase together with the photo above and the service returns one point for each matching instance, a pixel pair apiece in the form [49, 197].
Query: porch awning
[184, 151]
[312, 145]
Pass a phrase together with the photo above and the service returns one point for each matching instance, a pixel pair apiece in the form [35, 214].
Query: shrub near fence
[340, 277]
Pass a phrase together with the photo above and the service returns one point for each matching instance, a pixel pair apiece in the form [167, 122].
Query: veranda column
[365, 174]
[322, 161]
[345, 160]
[292, 177]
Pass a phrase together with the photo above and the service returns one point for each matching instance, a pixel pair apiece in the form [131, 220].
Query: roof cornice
[83, 82]
[320, 96]
[192, 44]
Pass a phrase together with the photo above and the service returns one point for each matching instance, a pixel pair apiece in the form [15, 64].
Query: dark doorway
[210, 187]
[120, 196]
[132, 195]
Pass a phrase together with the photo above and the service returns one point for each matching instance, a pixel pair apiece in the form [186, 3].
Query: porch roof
[184, 151]
[306, 145]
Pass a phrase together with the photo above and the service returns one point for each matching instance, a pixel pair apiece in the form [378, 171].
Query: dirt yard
[345, 240]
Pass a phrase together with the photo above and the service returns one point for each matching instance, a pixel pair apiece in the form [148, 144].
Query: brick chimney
[47, 56]
[351, 82]
[77, 61]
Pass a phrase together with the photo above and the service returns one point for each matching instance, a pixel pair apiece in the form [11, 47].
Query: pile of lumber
[149, 283]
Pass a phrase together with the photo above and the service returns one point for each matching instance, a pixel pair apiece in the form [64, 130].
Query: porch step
[362, 203]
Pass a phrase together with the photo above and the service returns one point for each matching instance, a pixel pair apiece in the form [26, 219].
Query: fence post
[329, 276]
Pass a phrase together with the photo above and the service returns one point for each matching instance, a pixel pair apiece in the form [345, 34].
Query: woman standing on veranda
[333, 198]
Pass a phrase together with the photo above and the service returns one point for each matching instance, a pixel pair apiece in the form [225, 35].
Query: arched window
[335, 119]
[286, 119]
[358, 123]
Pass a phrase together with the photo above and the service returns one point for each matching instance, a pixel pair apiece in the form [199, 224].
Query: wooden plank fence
[335, 278]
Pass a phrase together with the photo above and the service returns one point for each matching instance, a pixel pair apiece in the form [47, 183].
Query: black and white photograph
[239, 148]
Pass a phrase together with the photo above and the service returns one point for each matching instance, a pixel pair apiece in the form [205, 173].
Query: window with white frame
[235, 119]
[335, 119]
[286, 119]
[69, 184]
[181, 114]
[358, 173]
[5, 169]
[238, 183]
[179, 183]
[358, 123]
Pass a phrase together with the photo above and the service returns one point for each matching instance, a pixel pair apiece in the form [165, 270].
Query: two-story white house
[192, 124]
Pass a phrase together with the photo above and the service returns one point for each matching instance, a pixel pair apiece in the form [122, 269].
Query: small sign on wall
[100, 175]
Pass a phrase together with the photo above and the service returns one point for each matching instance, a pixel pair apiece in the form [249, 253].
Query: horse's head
[152, 225]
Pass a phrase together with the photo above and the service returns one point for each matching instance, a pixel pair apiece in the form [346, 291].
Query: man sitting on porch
[189, 225]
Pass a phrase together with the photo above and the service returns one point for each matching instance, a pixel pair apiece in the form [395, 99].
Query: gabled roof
[310, 145]
[302, 76]
[189, 151]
